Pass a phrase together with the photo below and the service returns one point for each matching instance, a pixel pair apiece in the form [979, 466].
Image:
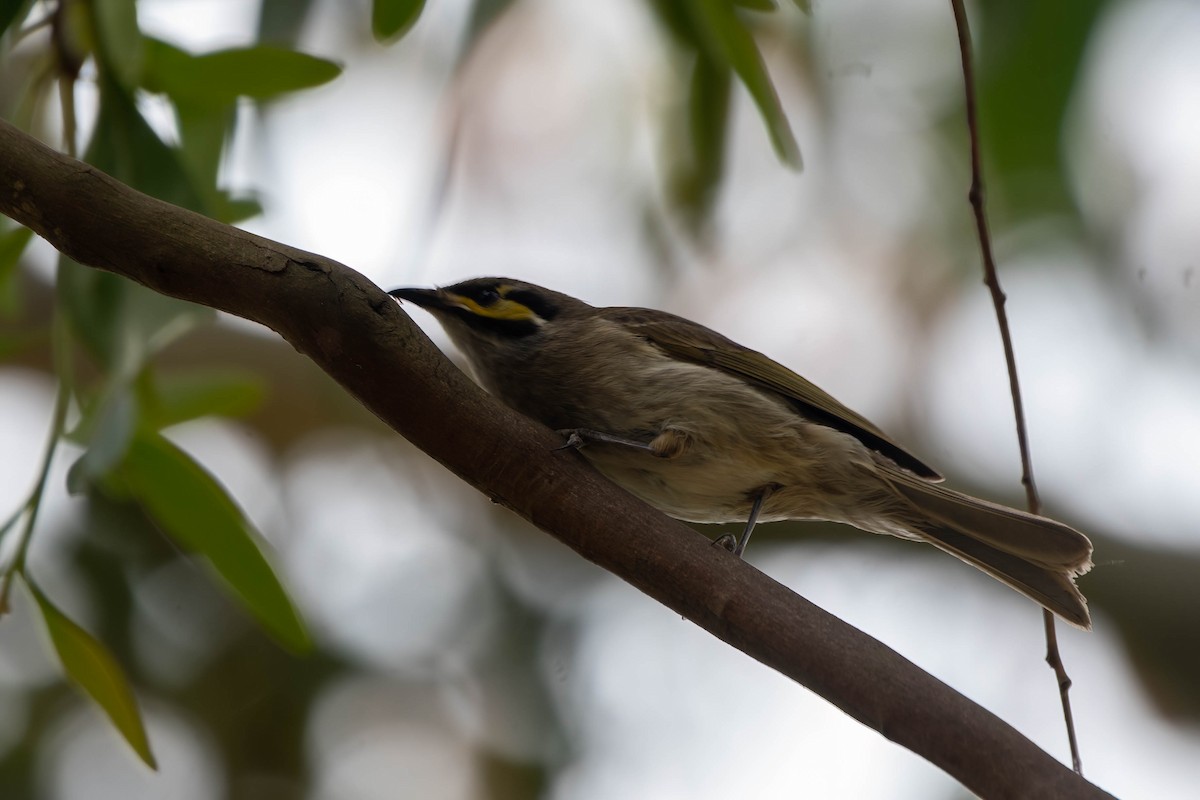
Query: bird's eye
[488, 296]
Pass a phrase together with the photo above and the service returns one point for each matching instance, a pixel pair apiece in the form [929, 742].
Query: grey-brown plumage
[709, 431]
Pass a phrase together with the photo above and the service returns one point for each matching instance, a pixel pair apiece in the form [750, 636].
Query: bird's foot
[737, 544]
[726, 540]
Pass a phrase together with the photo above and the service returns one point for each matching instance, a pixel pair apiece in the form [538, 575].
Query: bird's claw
[727, 540]
[574, 440]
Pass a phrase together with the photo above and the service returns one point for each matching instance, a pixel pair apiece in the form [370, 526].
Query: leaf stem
[60, 337]
[34, 503]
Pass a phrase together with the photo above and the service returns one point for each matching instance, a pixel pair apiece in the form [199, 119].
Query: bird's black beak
[425, 298]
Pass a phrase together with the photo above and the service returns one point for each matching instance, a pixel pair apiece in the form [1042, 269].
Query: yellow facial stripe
[501, 309]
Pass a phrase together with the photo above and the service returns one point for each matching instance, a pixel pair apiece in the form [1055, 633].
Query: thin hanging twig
[992, 281]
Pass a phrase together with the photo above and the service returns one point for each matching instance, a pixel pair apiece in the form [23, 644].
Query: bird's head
[490, 317]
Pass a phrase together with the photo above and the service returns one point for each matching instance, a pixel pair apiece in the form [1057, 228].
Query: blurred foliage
[194, 510]
[90, 664]
[1030, 54]
[13, 242]
[121, 326]
[1166, 653]
[391, 19]
[717, 42]
[134, 362]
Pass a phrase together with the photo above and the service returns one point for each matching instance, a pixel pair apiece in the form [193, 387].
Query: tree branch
[991, 278]
[358, 335]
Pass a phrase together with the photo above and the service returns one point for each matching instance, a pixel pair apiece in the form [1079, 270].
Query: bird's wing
[691, 341]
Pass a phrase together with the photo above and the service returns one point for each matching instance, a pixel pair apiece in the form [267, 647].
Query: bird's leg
[580, 437]
[750, 523]
[738, 546]
[668, 444]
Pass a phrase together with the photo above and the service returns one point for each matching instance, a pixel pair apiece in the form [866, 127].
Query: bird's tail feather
[1034, 555]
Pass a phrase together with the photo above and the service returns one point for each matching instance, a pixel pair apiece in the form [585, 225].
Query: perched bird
[709, 431]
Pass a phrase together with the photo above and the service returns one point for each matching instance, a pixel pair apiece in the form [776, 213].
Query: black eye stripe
[534, 301]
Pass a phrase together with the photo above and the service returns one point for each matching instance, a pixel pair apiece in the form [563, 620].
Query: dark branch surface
[358, 335]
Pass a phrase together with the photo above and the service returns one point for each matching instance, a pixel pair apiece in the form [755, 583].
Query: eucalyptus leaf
[12, 245]
[90, 665]
[728, 40]
[151, 322]
[119, 39]
[232, 210]
[676, 20]
[203, 131]
[195, 510]
[695, 181]
[127, 148]
[282, 21]
[1027, 93]
[260, 72]
[92, 301]
[108, 428]
[756, 5]
[13, 519]
[391, 19]
[14, 343]
[176, 398]
[13, 11]
[123, 324]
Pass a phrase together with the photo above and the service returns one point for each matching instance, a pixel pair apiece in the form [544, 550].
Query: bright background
[466, 655]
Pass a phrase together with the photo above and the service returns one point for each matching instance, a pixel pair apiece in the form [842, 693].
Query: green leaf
[108, 428]
[203, 130]
[122, 323]
[185, 396]
[13, 519]
[153, 321]
[1030, 58]
[282, 21]
[232, 210]
[119, 39]
[89, 664]
[728, 41]
[91, 301]
[696, 178]
[676, 20]
[16, 343]
[13, 11]
[12, 245]
[196, 511]
[260, 72]
[127, 148]
[391, 19]
[756, 5]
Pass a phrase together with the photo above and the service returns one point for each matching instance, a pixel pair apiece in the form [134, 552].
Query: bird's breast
[736, 438]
